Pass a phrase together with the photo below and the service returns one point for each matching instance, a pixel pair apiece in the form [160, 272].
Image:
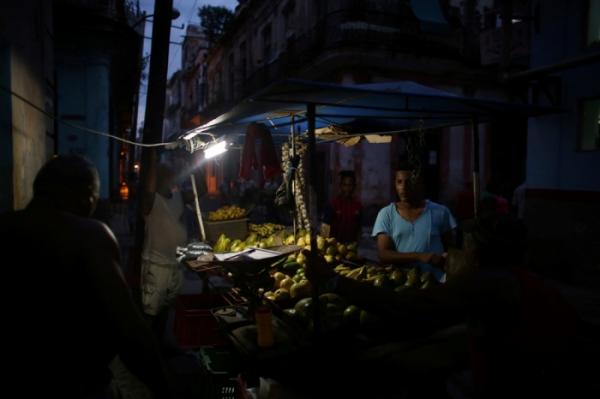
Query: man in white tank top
[161, 276]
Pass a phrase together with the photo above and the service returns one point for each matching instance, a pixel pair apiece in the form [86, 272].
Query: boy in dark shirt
[342, 215]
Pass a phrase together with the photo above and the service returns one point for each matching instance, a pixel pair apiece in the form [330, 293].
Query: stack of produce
[388, 276]
[226, 244]
[265, 229]
[292, 291]
[227, 212]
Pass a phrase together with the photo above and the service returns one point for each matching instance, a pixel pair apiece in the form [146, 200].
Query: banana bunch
[223, 244]
[265, 229]
[237, 246]
[388, 276]
[226, 244]
[227, 212]
[358, 273]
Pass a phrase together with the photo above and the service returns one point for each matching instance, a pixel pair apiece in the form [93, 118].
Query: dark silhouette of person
[68, 312]
[343, 213]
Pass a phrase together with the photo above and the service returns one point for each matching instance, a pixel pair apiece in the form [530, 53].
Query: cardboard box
[234, 229]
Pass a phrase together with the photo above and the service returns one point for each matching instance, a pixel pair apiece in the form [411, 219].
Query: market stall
[301, 106]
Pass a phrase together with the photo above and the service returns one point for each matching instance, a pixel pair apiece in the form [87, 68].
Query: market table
[343, 365]
[346, 360]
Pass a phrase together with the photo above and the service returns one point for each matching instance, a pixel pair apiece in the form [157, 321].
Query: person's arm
[388, 254]
[136, 343]
[149, 183]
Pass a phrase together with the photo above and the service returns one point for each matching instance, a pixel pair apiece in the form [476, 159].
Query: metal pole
[198, 212]
[157, 79]
[155, 104]
[475, 131]
[312, 154]
[506, 13]
[293, 187]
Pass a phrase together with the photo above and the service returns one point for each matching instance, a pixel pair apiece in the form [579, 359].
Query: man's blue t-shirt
[422, 235]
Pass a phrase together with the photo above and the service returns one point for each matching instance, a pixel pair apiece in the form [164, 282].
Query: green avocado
[291, 267]
[304, 308]
[352, 314]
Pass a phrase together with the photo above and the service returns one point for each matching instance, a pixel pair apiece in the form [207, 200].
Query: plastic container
[222, 372]
[264, 326]
[195, 325]
[234, 229]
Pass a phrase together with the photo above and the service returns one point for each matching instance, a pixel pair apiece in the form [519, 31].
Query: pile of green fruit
[334, 313]
[265, 229]
[388, 276]
[227, 212]
[328, 247]
[292, 291]
[226, 244]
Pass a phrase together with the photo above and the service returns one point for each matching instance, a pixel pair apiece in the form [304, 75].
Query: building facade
[27, 73]
[98, 64]
[355, 42]
[173, 108]
[53, 68]
[563, 156]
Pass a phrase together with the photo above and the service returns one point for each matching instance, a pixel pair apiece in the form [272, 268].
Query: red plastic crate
[194, 325]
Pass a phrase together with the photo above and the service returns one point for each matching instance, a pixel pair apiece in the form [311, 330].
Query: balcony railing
[112, 9]
[344, 30]
[374, 31]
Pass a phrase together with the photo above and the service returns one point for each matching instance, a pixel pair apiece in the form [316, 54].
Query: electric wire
[187, 24]
[83, 128]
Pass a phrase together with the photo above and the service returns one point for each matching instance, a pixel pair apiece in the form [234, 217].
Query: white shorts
[160, 286]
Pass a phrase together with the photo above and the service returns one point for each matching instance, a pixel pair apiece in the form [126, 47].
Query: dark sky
[188, 10]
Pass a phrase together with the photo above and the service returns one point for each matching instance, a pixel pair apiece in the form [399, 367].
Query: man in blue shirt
[413, 231]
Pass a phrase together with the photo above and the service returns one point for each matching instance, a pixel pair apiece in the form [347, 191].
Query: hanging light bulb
[193, 143]
[215, 148]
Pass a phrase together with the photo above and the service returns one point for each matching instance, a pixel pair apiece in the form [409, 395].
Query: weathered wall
[26, 31]
[563, 184]
[84, 82]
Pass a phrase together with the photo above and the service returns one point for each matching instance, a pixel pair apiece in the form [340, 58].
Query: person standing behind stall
[521, 334]
[342, 215]
[68, 309]
[413, 231]
[161, 276]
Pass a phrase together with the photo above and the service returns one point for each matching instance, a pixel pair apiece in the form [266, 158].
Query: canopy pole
[475, 132]
[198, 212]
[293, 187]
[313, 200]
